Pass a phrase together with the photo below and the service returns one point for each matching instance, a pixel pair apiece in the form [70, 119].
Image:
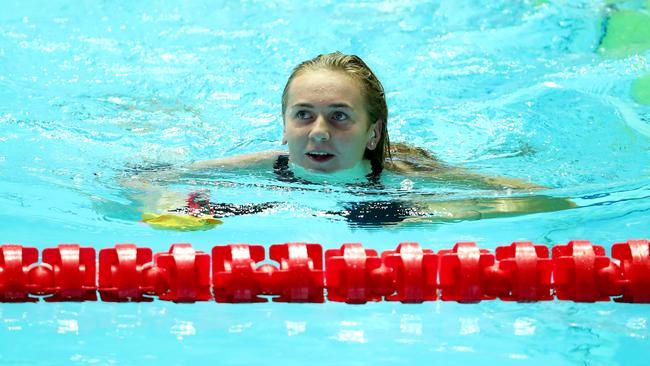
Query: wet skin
[326, 123]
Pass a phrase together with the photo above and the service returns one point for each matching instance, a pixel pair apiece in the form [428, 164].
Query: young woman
[335, 125]
[335, 121]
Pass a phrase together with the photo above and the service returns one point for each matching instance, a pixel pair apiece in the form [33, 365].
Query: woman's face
[325, 123]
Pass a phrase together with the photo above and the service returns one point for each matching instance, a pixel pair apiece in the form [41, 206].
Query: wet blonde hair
[372, 90]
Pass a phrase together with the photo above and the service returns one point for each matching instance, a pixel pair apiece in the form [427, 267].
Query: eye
[303, 115]
[339, 116]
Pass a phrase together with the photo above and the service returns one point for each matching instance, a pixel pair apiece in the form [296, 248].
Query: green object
[641, 90]
[179, 222]
[628, 33]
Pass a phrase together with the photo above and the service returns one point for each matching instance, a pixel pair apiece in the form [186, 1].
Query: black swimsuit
[367, 213]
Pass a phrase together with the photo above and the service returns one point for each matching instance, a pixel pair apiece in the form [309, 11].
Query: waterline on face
[354, 174]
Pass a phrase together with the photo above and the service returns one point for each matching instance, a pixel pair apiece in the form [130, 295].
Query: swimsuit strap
[281, 169]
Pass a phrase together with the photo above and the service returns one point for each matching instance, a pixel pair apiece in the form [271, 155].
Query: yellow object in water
[628, 33]
[179, 222]
[641, 90]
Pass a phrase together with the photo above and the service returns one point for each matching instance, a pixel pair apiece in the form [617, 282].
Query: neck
[354, 174]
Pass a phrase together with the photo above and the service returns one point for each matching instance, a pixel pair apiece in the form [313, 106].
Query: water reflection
[524, 326]
[240, 328]
[469, 326]
[410, 328]
[183, 328]
[638, 327]
[295, 328]
[68, 326]
[13, 324]
[351, 336]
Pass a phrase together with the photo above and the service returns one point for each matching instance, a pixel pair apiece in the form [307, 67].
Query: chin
[320, 169]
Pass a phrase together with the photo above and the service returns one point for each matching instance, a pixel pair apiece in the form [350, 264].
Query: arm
[417, 162]
[413, 161]
[160, 205]
[148, 180]
[458, 176]
[418, 209]
[487, 208]
[257, 159]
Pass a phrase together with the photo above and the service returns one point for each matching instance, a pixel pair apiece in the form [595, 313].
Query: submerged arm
[485, 208]
[418, 211]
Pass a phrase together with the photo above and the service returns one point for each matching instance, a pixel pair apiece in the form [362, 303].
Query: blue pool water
[94, 91]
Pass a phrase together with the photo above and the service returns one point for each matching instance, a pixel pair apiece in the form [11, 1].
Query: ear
[374, 134]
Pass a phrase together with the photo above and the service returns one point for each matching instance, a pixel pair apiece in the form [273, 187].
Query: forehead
[324, 86]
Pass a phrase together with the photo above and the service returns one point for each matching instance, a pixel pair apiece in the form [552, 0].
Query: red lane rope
[578, 271]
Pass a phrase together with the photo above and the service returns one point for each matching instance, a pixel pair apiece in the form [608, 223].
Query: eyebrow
[334, 105]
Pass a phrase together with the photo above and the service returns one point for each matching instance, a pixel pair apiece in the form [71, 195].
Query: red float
[355, 275]
[300, 277]
[234, 277]
[634, 256]
[14, 267]
[583, 273]
[463, 271]
[66, 274]
[524, 273]
[416, 272]
[123, 273]
[186, 273]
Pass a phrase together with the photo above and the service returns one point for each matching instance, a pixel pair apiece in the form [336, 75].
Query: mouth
[319, 156]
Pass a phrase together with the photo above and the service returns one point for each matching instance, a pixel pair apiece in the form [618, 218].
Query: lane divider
[238, 273]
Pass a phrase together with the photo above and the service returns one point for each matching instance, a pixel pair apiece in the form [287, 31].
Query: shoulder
[261, 158]
[405, 158]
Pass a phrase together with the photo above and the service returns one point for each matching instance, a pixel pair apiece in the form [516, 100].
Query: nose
[320, 130]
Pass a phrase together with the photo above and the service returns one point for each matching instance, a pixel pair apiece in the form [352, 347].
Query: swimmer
[335, 121]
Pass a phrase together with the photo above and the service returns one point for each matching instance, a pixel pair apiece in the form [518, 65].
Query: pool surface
[95, 92]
